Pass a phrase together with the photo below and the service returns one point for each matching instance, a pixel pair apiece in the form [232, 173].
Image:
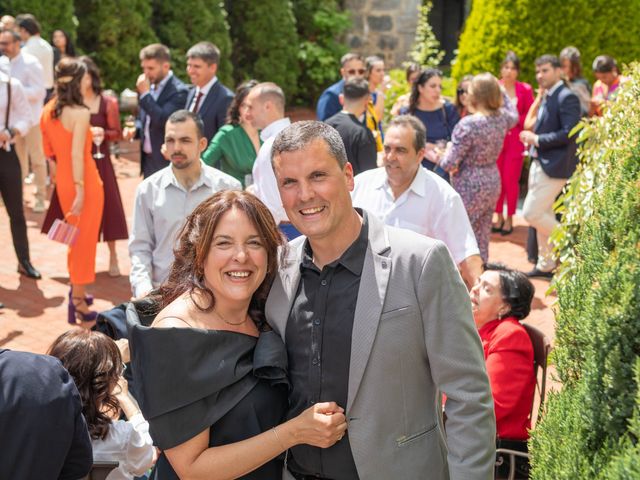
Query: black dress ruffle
[192, 379]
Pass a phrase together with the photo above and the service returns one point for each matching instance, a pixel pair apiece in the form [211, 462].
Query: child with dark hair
[95, 363]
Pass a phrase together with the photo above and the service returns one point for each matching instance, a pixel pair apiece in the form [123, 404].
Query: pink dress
[510, 159]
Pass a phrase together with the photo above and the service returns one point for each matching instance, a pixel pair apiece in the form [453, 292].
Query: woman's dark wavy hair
[69, 49]
[233, 113]
[69, 73]
[94, 362]
[425, 75]
[517, 290]
[194, 243]
[94, 73]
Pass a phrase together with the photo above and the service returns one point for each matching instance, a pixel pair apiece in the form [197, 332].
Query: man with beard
[167, 197]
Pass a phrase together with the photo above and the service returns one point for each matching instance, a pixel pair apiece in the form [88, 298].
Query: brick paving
[35, 312]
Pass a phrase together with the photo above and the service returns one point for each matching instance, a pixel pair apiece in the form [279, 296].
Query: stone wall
[383, 27]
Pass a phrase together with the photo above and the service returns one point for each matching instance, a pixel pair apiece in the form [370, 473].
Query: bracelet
[275, 432]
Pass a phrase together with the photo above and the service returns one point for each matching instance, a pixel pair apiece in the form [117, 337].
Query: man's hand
[4, 136]
[528, 137]
[142, 84]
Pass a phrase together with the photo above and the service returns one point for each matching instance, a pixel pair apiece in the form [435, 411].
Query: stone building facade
[387, 27]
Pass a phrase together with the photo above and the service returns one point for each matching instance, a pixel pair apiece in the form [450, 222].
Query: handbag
[63, 232]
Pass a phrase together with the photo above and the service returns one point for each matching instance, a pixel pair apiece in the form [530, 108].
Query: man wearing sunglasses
[329, 102]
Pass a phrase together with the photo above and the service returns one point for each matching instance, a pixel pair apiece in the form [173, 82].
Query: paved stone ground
[35, 312]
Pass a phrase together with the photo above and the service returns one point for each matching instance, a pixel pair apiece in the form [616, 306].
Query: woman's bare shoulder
[174, 315]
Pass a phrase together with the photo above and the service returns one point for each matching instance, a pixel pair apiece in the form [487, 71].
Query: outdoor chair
[100, 470]
[541, 349]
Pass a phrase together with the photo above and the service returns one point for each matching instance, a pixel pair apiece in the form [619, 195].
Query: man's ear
[202, 144]
[341, 99]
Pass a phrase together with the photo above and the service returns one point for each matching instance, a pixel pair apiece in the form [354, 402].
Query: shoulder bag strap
[6, 115]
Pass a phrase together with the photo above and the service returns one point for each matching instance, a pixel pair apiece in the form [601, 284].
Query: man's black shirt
[358, 141]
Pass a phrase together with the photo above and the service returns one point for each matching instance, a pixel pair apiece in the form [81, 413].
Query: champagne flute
[130, 124]
[98, 138]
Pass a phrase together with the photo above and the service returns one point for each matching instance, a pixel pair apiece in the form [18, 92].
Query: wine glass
[130, 124]
[98, 138]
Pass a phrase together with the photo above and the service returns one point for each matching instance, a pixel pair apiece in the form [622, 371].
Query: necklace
[227, 321]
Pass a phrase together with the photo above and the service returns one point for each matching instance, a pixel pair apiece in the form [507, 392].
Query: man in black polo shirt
[358, 139]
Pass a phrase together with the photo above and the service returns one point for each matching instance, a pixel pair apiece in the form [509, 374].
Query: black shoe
[504, 231]
[497, 229]
[535, 273]
[25, 268]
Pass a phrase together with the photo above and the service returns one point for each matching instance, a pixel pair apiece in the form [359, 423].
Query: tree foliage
[591, 428]
[51, 14]
[194, 21]
[112, 32]
[535, 27]
[426, 48]
[320, 25]
[265, 42]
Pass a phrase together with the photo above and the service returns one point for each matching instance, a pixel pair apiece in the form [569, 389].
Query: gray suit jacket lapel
[284, 288]
[371, 295]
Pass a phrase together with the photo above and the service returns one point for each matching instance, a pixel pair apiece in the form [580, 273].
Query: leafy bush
[591, 427]
[195, 21]
[112, 32]
[51, 15]
[495, 26]
[265, 42]
[426, 48]
[320, 24]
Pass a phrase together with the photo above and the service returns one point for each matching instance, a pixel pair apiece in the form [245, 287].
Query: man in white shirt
[265, 104]
[34, 44]
[16, 111]
[27, 69]
[165, 199]
[208, 97]
[404, 194]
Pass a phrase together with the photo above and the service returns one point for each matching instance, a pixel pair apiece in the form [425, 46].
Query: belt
[301, 476]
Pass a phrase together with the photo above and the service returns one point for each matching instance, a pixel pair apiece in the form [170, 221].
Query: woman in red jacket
[511, 157]
[500, 299]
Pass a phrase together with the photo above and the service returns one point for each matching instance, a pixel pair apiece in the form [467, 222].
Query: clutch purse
[63, 232]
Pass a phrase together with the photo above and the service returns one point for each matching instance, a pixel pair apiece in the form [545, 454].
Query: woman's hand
[52, 169]
[321, 425]
[78, 202]
[121, 390]
[431, 152]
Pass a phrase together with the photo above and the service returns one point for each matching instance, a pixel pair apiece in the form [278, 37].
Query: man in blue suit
[208, 97]
[329, 102]
[554, 156]
[161, 94]
[43, 434]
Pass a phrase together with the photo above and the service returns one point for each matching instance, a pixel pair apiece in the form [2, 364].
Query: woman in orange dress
[67, 138]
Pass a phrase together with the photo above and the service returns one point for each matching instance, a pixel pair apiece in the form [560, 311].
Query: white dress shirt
[430, 206]
[20, 112]
[129, 443]
[264, 180]
[40, 48]
[161, 207]
[27, 69]
[204, 90]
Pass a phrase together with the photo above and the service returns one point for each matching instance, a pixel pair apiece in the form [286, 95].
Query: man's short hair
[29, 23]
[604, 64]
[300, 135]
[205, 51]
[156, 51]
[355, 89]
[416, 125]
[548, 58]
[271, 91]
[15, 35]
[181, 116]
[347, 57]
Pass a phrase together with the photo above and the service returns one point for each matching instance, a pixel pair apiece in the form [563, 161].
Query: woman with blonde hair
[471, 156]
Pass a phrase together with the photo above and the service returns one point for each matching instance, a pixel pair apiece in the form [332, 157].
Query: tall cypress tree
[265, 42]
[113, 32]
[52, 14]
[194, 21]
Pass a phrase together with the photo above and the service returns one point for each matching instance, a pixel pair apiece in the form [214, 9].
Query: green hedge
[51, 14]
[591, 427]
[534, 27]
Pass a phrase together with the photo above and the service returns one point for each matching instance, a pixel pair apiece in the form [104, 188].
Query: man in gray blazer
[378, 320]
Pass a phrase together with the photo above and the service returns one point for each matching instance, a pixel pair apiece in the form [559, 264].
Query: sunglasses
[359, 71]
[461, 90]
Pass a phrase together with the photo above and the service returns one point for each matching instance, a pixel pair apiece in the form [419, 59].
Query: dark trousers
[11, 191]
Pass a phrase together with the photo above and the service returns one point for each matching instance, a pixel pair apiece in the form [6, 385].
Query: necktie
[196, 105]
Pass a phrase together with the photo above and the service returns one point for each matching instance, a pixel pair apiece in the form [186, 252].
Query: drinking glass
[130, 123]
[98, 138]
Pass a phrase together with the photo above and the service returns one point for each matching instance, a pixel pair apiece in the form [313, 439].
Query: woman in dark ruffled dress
[210, 375]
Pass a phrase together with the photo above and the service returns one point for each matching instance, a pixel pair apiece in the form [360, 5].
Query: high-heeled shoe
[77, 317]
[497, 229]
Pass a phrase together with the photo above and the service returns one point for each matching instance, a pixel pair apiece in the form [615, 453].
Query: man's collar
[208, 86]
[169, 178]
[274, 128]
[553, 89]
[417, 186]
[160, 85]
